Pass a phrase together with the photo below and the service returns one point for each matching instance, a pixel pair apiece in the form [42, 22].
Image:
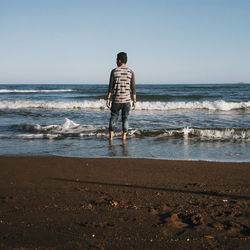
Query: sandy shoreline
[105, 203]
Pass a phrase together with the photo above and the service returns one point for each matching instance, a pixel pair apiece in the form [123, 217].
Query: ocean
[171, 121]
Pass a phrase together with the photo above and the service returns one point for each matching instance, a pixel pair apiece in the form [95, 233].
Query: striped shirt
[121, 84]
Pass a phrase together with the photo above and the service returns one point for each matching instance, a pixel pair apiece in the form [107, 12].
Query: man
[121, 85]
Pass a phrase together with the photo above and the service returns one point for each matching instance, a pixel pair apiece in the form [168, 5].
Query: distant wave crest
[34, 91]
[100, 104]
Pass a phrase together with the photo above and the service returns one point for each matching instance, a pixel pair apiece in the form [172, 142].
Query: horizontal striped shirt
[122, 84]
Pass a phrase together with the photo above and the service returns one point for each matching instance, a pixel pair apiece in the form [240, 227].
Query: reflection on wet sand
[118, 150]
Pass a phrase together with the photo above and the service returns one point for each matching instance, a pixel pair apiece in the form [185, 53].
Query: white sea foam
[184, 133]
[21, 104]
[30, 136]
[68, 125]
[54, 131]
[34, 91]
[200, 133]
[227, 133]
[215, 105]
[101, 104]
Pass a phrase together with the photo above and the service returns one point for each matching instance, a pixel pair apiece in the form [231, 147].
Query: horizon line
[84, 83]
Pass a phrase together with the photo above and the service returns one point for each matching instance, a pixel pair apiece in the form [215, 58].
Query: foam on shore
[71, 129]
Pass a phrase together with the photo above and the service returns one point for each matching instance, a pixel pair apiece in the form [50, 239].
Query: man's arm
[133, 89]
[110, 89]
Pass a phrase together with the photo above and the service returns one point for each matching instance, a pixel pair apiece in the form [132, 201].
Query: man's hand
[133, 104]
[108, 103]
[134, 101]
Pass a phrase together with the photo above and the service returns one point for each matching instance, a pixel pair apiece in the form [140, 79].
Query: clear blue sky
[76, 41]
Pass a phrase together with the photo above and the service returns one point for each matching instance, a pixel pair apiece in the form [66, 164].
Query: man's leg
[115, 108]
[125, 114]
[111, 135]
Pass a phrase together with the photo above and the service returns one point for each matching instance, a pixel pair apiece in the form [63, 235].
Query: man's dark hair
[122, 56]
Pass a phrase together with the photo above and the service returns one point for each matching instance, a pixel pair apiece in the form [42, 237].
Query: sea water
[171, 121]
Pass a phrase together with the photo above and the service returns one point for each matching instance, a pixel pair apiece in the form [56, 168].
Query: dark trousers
[115, 110]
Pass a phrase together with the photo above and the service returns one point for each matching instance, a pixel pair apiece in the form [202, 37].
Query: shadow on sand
[210, 193]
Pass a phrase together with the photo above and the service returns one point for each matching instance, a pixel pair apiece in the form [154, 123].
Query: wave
[70, 129]
[34, 91]
[200, 133]
[101, 104]
[26, 104]
[209, 105]
[147, 97]
[68, 126]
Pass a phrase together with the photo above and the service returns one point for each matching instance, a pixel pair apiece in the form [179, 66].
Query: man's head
[121, 58]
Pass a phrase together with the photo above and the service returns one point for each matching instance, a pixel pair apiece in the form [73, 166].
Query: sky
[76, 41]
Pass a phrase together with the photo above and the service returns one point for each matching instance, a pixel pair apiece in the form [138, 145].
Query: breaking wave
[101, 104]
[68, 126]
[70, 129]
[34, 91]
[199, 133]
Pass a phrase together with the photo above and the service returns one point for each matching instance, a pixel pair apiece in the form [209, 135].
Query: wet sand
[81, 203]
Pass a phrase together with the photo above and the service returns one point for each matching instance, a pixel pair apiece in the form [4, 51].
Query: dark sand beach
[81, 203]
